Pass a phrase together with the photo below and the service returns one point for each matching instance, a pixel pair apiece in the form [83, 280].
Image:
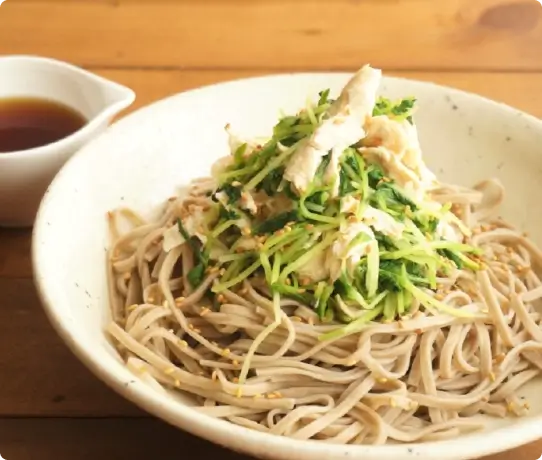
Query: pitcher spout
[115, 98]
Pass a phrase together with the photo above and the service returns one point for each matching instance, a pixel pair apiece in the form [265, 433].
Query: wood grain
[134, 439]
[39, 375]
[50, 404]
[271, 34]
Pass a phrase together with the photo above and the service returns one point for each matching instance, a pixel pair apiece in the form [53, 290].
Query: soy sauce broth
[26, 123]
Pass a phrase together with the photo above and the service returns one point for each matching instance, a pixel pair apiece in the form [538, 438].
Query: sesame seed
[239, 393]
[287, 229]
[296, 319]
[236, 183]
[393, 403]
[214, 376]
[132, 307]
[222, 271]
[309, 226]
[511, 407]
[190, 326]
[246, 231]
[165, 304]
[418, 331]
[288, 282]
[204, 311]
[526, 406]
[127, 276]
[179, 301]
[311, 320]
[235, 380]
[177, 383]
[220, 298]
[225, 352]
[169, 371]
[382, 380]
[279, 232]
[499, 358]
[271, 396]
[492, 376]
[235, 363]
[256, 396]
[183, 343]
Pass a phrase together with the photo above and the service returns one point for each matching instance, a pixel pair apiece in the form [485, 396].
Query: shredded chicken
[343, 128]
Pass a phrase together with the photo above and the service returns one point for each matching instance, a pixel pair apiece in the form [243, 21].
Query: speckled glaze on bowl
[144, 158]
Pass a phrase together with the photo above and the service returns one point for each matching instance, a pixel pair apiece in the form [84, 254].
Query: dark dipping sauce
[26, 123]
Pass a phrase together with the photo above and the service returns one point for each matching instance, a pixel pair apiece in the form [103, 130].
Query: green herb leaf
[227, 214]
[399, 110]
[276, 223]
[233, 193]
[452, 255]
[324, 97]
[375, 175]
[384, 241]
[271, 182]
[196, 275]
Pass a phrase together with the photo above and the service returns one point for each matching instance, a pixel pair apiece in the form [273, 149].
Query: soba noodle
[257, 359]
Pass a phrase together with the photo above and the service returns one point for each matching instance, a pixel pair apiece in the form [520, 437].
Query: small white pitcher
[25, 175]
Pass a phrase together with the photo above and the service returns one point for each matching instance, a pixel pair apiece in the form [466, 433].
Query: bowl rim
[235, 437]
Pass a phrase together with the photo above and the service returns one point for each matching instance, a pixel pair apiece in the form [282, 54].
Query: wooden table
[51, 407]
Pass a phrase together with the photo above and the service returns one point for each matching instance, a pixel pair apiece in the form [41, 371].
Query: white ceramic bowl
[25, 175]
[141, 160]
